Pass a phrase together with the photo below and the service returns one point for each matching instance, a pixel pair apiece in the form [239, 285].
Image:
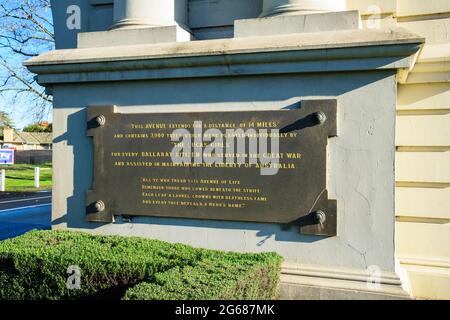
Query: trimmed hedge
[221, 278]
[34, 267]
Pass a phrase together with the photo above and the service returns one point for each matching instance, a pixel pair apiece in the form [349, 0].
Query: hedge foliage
[223, 277]
[34, 267]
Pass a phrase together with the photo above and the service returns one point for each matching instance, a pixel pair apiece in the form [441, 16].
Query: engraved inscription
[135, 173]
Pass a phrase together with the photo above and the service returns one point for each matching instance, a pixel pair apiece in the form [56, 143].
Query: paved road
[22, 212]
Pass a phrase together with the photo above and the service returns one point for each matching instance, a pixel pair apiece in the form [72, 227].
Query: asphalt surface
[22, 212]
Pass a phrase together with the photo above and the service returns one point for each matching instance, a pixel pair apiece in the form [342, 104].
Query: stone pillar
[288, 7]
[142, 22]
[144, 13]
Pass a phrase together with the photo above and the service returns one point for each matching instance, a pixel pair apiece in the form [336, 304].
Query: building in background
[422, 219]
[25, 141]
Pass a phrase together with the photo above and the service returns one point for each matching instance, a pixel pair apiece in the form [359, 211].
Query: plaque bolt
[101, 120]
[320, 217]
[100, 206]
[321, 118]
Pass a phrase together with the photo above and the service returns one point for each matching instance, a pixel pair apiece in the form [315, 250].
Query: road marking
[28, 207]
[25, 199]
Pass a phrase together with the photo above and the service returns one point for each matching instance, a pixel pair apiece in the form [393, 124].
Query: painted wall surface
[361, 161]
[423, 121]
[423, 145]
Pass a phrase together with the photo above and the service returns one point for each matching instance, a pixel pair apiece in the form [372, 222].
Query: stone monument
[302, 68]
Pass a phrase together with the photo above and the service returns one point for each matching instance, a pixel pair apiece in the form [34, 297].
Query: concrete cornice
[309, 52]
[291, 42]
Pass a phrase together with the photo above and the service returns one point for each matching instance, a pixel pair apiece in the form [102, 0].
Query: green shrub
[222, 278]
[34, 266]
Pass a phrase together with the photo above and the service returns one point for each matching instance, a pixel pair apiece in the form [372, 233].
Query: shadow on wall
[194, 91]
[197, 92]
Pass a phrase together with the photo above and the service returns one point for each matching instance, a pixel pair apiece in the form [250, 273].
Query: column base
[133, 36]
[299, 23]
[303, 282]
[132, 24]
[288, 11]
[302, 7]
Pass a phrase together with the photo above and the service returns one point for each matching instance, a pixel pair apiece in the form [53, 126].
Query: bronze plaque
[135, 174]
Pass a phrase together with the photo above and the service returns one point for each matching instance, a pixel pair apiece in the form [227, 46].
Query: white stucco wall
[360, 172]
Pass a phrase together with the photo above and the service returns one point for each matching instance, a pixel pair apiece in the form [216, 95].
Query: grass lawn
[20, 177]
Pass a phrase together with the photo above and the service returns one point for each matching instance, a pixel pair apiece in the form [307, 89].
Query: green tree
[38, 127]
[5, 120]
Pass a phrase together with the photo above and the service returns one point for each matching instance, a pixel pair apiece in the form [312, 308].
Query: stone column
[288, 7]
[143, 13]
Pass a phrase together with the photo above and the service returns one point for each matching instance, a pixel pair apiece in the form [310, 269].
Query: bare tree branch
[26, 30]
[29, 85]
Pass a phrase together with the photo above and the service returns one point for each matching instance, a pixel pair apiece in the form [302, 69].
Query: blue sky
[18, 108]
